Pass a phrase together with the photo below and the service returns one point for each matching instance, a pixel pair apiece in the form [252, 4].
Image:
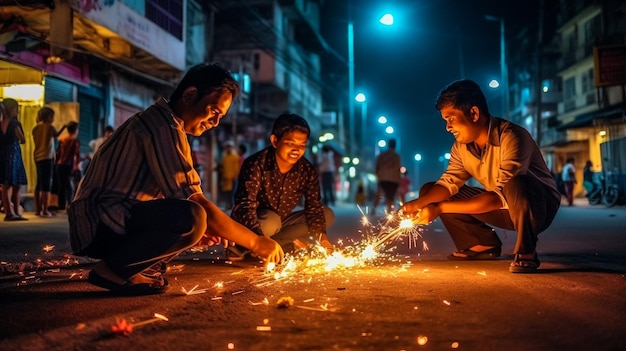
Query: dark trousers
[156, 231]
[532, 207]
[328, 183]
[64, 185]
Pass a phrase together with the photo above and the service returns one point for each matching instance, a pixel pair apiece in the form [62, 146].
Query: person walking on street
[68, 158]
[229, 170]
[568, 174]
[518, 191]
[140, 202]
[327, 171]
[44, 134]
[388, 174]
[404, 187]
[12, 171]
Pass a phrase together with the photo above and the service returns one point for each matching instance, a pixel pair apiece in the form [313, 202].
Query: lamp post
[503, 69]
[387, 20]
[362, 99]
[418, 159]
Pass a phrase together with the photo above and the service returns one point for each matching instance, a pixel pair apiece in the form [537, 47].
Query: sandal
[524, 265]
[158, 286]
[488, 254]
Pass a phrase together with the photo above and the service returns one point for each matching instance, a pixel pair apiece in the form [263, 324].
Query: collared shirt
[147, 158]
[262, 185]
[388, 167]
[509, 151]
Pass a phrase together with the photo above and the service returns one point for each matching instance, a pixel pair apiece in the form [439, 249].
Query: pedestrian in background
[44, 135]
[67, 162]
[518, 191]
[388, 174]
[588, 178]
[568, 174]
[12, 171]
[327, 171]
[140, 202]
[229, 169]
[404, 187]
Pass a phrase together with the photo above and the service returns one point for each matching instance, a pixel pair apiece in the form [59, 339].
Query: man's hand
[210, 240]
[428, 214]
[267, 249]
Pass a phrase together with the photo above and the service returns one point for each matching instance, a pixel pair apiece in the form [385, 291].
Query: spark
[193, 291]
[48, 248]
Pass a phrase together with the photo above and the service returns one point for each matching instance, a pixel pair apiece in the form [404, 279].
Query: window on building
[167, 14]
[569, 89]
[587, 81]
[592, 30]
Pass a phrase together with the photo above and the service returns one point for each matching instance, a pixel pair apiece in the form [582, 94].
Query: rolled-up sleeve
[455, 175]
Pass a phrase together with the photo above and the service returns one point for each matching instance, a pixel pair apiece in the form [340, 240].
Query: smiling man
[140, 202]
[271, 184]
[518, 192]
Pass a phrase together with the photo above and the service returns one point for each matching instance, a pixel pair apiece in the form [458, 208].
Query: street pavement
[412, 299]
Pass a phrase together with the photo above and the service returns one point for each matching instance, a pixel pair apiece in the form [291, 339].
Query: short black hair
[207, 78]
[45, 112]
[290, 122]
[392, 143]
[463, 94]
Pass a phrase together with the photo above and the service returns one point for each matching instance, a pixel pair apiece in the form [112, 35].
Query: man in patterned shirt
[271, 184]
[140, 202]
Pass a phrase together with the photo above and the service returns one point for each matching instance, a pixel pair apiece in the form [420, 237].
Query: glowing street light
[382, 119]
[387, 20]
[416, 170]
[389, 130]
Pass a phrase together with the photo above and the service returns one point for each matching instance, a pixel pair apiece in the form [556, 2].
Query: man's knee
[198, 218]
[329, 216]
[270, 221]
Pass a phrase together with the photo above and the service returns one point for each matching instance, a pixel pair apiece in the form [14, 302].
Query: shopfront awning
[587, 119]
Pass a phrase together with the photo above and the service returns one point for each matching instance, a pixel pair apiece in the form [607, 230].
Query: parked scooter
[607, 192]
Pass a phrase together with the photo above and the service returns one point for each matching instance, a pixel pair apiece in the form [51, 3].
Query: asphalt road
[411, 299]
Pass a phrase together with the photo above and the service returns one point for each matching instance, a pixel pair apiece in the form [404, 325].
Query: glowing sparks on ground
[193, 291]
[370, 250]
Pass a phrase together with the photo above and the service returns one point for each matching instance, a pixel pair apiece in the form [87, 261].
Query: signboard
[609, 65]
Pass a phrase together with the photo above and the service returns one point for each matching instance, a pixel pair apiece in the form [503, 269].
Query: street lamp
[387, 20]
[417, 158]
[362, 99]
[503, 69]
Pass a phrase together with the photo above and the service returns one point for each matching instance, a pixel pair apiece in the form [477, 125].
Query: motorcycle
[607, 192]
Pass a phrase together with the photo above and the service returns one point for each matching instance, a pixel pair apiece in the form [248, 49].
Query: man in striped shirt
[140, 202]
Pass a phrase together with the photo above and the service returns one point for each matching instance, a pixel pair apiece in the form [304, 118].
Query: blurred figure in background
[388, 174]
[404, 187]
[229, 169]
[68, 158]
[44, 135]
[12, 171]
[327, 171]
[568, 174]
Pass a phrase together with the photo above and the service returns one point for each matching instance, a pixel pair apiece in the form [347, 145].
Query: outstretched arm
[220, 224]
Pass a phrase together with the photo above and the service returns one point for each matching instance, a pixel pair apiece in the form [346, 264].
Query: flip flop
[158, 286]
[488, 254]
[520, 265]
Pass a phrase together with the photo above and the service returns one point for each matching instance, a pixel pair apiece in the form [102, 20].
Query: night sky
[402, 68]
